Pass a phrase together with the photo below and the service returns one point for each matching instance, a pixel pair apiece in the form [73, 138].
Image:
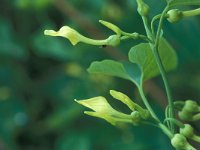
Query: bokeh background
[41, 76]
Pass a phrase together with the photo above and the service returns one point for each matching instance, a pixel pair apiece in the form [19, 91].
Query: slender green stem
[163, 74]
[160, 125]
[167, 113]
[190, 13]
[175, 121]
[166, 130]
[134, 35]
[152, 22]
[196, 138]
[144, 99]
[160, 25]
[161, 67]
[154, 46]
[146, 26]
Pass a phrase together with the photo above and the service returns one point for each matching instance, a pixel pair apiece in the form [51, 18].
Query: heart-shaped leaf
[143, 56]
[129, 71]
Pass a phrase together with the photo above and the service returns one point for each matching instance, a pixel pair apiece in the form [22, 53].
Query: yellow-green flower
[128, 102]
[75, 37]
[102, 109]
[72, 35]
[111, 26]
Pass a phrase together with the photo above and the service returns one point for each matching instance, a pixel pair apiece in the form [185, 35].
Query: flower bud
[191, 106]
[174, 15]
[127, 101]
[184, 115]
[189, 110]
[180, 142]
[111, 26]
[143, 8]
[136, 117]
[187, 131]
[113, 40]
[123, 98]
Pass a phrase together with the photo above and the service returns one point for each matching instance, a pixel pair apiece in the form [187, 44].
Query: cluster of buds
[102, 109]
[188, 110]
[179, 141]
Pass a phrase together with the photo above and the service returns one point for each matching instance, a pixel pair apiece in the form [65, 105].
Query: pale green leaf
[184, 2]
[143, 56]
[127, 71]
[134, 72]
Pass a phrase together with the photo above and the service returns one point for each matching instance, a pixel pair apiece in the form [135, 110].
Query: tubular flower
[67, 32]
[111, 26]
[102, 109]
[75, 37]
[127, 101]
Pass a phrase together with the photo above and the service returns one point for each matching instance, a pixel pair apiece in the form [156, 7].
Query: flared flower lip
[102, 109]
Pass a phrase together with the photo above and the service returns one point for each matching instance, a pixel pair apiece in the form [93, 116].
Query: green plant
[146, 60]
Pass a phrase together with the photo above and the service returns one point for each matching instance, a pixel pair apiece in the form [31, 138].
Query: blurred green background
[41, 76]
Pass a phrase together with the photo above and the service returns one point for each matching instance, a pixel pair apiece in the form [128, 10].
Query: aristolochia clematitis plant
[146, 60]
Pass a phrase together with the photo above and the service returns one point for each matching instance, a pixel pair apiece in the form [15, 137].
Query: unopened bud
[187, 131]
[143, 8]
[180, 142]
[174, 15]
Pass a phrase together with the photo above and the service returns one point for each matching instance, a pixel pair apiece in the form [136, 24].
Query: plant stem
[190, 13]
[175, 121]
[154, 47]
[152, 22]
[160, 125]
[134, 35]
[148, 31]
[196, 138]
[144, 99]
[161, 67]
[166, 130]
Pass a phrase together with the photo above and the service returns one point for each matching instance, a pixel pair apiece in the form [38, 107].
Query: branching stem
[161, 67]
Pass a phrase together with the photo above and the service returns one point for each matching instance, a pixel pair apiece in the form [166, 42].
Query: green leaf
[143, 56]
[134, 72]
[126, 70]
[184, 2]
